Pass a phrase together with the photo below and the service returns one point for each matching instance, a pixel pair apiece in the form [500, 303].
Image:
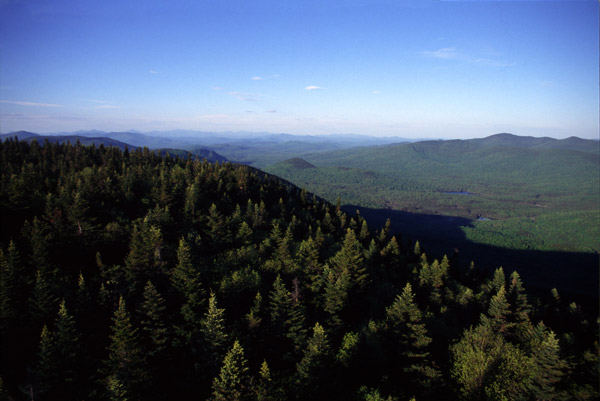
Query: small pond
[458, 192]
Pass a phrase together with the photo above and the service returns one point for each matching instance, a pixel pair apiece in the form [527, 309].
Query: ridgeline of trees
[127, 275]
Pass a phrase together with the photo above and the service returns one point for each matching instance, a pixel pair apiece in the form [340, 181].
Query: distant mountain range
[131, 141]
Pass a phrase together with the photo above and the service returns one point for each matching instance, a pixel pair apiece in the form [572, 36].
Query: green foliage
[154, 320]
[538, 197]
[91, 229]
[487, 367]
[348, 348]
[232, 382]
[313, 366]
[214, 334]
[125, 366]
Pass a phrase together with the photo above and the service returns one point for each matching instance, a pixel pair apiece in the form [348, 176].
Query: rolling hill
[495, 199]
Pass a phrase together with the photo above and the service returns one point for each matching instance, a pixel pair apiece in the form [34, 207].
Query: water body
[458, 192]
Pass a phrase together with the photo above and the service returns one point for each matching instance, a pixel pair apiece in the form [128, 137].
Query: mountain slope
[508, 180]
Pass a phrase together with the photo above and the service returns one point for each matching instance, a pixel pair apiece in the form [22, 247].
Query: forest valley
[126, 275]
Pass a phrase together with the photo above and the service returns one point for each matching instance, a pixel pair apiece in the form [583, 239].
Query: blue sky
[445, 69]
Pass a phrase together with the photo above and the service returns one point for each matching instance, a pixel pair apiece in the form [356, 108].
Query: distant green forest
[517, 192]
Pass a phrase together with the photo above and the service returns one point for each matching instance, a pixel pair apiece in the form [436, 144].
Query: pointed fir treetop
[232, 382]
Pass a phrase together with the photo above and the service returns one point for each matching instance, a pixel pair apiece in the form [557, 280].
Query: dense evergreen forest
[131, 275]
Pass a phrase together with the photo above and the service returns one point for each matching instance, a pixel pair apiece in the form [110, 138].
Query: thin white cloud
[313, 88]
[446, 53]
[259, 78]
[154, 72]
[30, 104]
[452, 53]
[247, 97]
[376, 92]
[107, 106]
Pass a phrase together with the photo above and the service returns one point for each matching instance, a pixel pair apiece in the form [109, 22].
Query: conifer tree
[364, 231]
[253, 317]
[549, 368]
[348, 348]
[417, 249]
[313, 367]
[42, 301]
[232, 383]
[213, 334]
[124, 367]
[349, 260]
[12, 284]
[144, 261]
[83, 300]
[45, 375]
[335, 296]
[498, 313]
[186, 281]
[499, 280]
[266, 388]
[409, 338]
[67, 349]
[154, 320]
[486, 367]
[519, 307]
[287, 316]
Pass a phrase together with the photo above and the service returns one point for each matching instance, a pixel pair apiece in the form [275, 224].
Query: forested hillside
[504, 195]
[127, 275]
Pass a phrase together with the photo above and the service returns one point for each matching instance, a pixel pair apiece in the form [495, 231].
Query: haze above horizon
[444, 69]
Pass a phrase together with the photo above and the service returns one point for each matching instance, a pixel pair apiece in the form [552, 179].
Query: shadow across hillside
[574, 274]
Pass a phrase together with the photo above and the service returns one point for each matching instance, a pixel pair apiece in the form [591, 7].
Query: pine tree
[186, 281]
[266, 388]
[520, 307]
[46, 376]
[549, 368]
[312, 369]
[499, 280]
[348, 348]
[232, 383]
[287, 318]
[125, 367]
[42, 301]
[12, 284]
[154, 320]
[498, 313]
[144, 261]
[253, 317]
[67, 349]
[349, 260]
[335, 296]
[409, 338]
[83, 300]
[308, 262]
[214, 335]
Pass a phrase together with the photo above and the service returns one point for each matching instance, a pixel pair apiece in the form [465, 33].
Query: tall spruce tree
[232, 383]
[313, 367]
[125, 367]
[350, 259]
[214, 336]
[154, 321]
[409, 341]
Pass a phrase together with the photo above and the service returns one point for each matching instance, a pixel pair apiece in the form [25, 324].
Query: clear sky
[445, 69]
